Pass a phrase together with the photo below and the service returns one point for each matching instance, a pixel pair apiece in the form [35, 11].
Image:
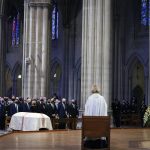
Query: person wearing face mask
[73, 114]
[14, 107]
[13, 98]
[34, 108]
[62, 113]
[50, 108]
[73, 109]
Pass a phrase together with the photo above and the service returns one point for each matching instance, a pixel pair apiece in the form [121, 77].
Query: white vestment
[95, 106]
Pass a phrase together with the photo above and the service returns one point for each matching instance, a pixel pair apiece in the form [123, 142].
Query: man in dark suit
[41, 106]
[62, 113]
[50, 108]
[2, 114]
[33, 106]
[73, 114]
[116, 107]
[73, 109]
[23, 105]
[14, 107]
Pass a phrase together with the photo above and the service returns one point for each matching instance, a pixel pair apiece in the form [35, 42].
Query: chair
[135, 119]
[7, 121]
[55, 123]
[95, 127]
[72, 123]
[125, 119]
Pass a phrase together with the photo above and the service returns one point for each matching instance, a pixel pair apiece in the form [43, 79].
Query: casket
[26, 121]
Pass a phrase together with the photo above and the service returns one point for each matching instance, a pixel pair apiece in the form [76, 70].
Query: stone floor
[4, 132]
[121, 139]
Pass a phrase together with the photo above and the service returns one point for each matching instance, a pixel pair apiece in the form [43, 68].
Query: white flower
[147, 115]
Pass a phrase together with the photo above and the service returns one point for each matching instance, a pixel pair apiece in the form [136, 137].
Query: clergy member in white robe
[95, 104]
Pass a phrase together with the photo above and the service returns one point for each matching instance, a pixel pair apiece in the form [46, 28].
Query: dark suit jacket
[2, 116]
[24, 107]
[62, 111]
[73, 111]
[50, 110]
[41, 108]
[13, 109]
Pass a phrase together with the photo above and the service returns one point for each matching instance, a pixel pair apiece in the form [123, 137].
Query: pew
[7, 121]
[70, 122]
[95, 127]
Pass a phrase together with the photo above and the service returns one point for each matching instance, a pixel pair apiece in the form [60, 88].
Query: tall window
[16, 30]
[145, 12]
[55, 22]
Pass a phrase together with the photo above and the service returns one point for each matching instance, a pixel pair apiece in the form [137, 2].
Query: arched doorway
[8, 82]
[137, 83]
[17, 80]
[56, 73]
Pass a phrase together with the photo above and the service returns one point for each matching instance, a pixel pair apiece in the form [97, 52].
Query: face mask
[2, 102]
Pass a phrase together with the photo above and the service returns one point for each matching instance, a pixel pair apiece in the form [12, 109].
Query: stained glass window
[16, 30]
[54, 23]
[145, 12]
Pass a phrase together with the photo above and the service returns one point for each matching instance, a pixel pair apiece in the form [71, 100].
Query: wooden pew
[7, 121]
[95, 127]
[70, 122]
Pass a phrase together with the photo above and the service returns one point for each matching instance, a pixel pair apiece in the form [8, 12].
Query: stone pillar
[32, 51]
[2, 55]
[96, 48]
[149, 80]
[38, 52]
[45, 41]
[36, 48]
[1, 59]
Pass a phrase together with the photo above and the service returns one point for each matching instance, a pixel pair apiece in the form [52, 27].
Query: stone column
[1, 59]
[96, 48]
[38, 52]
[2, 55]
[149, 79]
[32, 51]
[36, 47]
[45, 56]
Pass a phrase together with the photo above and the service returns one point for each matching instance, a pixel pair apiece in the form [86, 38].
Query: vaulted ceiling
[14, 6]
[69, 10]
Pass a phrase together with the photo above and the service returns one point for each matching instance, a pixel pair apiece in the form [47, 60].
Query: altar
[26, 121]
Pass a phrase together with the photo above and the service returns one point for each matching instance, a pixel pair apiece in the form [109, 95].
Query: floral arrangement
[147, 117]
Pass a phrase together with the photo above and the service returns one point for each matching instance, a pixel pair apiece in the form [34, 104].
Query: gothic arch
[17, 79]
[132, 61]
[55, 61]
[147, 68]
[77, 82]
[8, 80]
[56, 77]
[136, 73]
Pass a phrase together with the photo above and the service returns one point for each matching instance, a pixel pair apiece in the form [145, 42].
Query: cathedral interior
[65, 46]
[52, 52]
